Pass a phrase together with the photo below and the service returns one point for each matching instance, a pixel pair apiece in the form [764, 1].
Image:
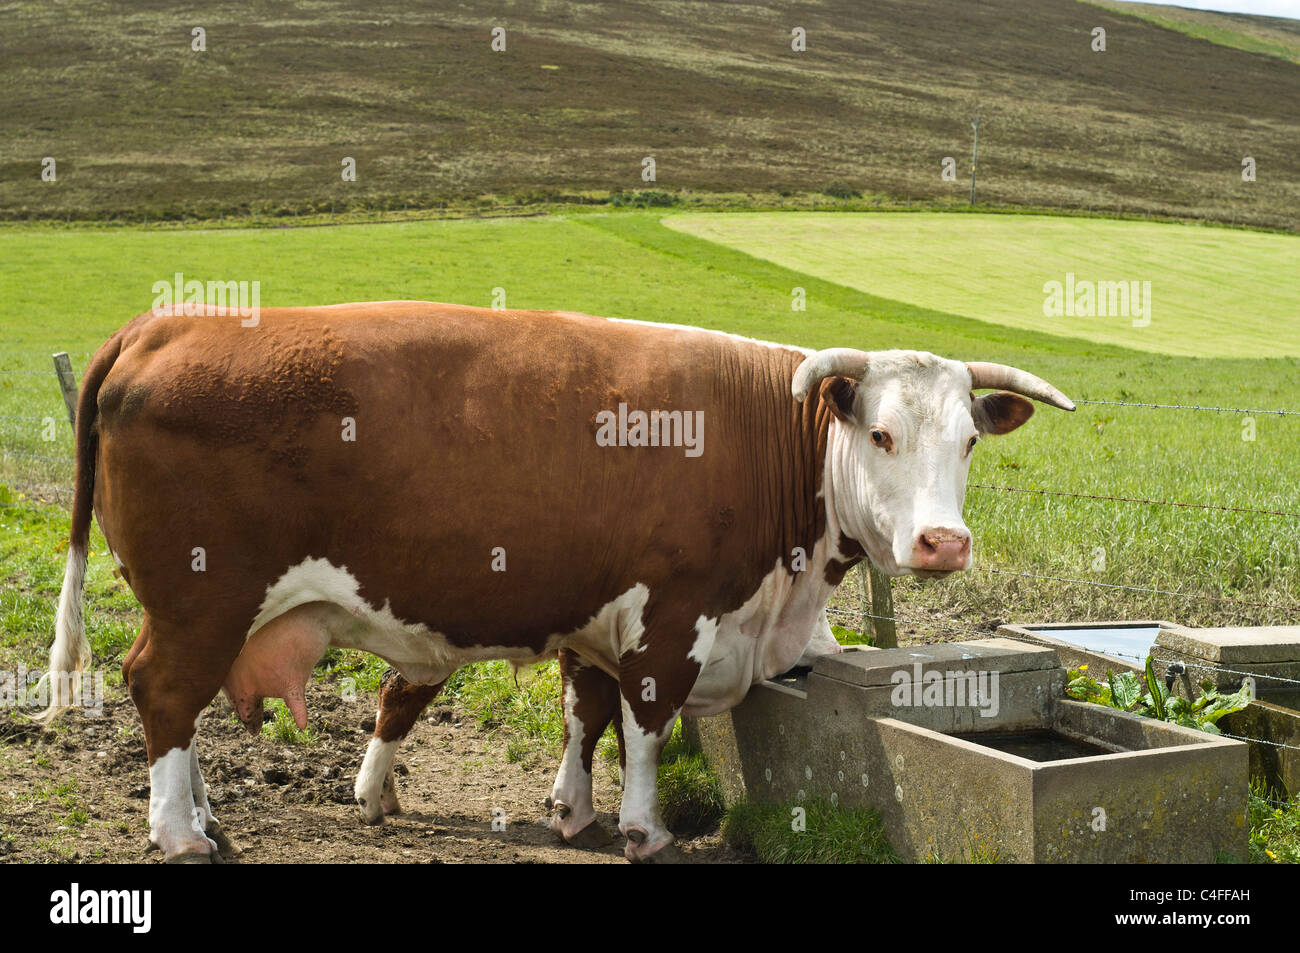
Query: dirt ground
[78, 792]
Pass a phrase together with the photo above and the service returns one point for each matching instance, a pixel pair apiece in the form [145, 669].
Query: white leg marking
[207, 819]
[205, 816]
[376, 769]
[571, 793]
[174, 823]
[638, 815]
[823, 642]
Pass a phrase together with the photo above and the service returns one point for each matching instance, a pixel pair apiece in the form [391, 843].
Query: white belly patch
[740, 647]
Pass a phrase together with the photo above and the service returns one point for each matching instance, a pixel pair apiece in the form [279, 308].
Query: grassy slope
[140, 126]
[1272, 36]
[629, 265]
[1215, 291]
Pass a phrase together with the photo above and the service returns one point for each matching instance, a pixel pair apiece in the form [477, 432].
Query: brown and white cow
[439, 484]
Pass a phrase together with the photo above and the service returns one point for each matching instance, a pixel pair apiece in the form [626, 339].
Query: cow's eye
[971, 446]
[882, 439]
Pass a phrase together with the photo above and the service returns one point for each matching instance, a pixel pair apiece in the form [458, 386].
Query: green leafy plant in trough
[1147, 695]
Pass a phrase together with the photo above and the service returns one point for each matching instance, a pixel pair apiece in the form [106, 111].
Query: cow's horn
[1002, 377]
[833, 362]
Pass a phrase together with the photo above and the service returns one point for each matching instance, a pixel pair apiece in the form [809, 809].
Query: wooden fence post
[879, 618]
[68, 384]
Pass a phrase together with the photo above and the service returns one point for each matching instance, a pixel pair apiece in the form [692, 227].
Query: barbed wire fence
[877, 586]
[47, 423]
[876, 618]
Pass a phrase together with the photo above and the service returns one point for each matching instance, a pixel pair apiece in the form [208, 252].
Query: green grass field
[69, 289]
[1215, 292]
[1271, 36]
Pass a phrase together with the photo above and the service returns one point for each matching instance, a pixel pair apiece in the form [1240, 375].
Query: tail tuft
[70, 654]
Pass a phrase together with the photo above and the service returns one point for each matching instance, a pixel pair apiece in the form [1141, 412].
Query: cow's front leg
[655, 679]
[400, 705]
[591, 701]
[823, 642]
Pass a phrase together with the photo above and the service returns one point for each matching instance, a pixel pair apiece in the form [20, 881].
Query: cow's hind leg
[400, 704]
[171, 685]
[590, 703]
[211, 826]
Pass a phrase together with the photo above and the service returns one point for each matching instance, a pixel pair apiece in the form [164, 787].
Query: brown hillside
[139, 124]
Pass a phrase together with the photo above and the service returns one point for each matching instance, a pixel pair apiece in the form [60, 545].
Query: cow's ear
[1002, 412]
[840, 394]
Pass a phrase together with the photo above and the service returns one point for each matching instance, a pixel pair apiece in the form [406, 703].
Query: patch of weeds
[851, 636]
[77, 817]
[526, 703]
[284, 729]
[55, 845]
[690, 795]
[975, 852]
[1274, 827]
[364, 669]
[825, 834]
[518, 750]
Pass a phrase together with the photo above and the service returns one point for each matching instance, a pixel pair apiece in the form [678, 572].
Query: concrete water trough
[1270, 655]
[1117, 646]
[972, 748]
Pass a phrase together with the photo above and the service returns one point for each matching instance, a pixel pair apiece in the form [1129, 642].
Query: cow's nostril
[932, 541]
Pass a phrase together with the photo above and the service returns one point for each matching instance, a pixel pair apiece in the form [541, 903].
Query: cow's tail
[70, 654]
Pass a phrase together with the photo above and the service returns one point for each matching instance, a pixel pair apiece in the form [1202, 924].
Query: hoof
[388, 801]
[370, 814]
[592, 837]
[191, 857]
[639, 851]
[670, 853]
[225, 846]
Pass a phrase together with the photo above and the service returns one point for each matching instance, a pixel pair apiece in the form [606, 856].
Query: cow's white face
[899, 454]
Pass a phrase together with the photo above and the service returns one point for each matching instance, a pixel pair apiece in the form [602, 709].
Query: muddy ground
[78, 792]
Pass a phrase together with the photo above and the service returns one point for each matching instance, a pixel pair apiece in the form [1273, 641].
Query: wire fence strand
[1285, 607]
[1132, 499]
[37, 456]
[1218, 410]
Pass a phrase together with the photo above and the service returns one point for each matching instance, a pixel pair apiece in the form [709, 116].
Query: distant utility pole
[974, 158]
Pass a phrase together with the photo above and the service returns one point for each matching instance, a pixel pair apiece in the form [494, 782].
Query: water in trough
[1038, 745]
[1129, 642]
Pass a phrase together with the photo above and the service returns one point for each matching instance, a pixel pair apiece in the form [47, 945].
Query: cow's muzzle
[941, 550]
